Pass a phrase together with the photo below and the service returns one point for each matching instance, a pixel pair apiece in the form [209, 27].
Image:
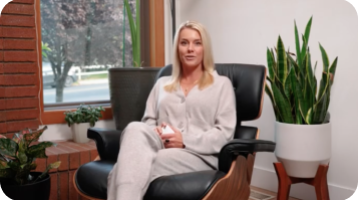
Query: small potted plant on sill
[17, 162]
[81, 119]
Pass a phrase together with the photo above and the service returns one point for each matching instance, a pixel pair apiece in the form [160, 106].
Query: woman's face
[190, 48]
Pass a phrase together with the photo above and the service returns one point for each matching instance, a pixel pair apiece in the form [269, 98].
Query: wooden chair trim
[251, 161]
[97, 158]
[262, 95]
[250, 167]
[234, 184]
[79, 192]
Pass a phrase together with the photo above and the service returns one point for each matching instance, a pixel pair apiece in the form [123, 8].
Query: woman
[195, 102]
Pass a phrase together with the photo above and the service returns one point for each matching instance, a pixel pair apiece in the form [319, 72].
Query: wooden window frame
[156, 47]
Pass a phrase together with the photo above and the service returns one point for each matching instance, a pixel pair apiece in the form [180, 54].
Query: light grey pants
[143, 158]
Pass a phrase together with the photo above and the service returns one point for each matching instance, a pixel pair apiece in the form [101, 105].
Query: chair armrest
[242, 147]
[107, 142]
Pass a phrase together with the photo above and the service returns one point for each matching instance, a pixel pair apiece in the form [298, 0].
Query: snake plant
[293, 85]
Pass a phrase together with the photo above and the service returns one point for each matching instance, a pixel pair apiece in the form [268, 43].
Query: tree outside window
[84, 39]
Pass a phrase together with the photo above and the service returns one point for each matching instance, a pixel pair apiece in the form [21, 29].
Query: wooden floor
[261, 194]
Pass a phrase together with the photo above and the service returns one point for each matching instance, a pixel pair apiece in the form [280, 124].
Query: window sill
[58, 117]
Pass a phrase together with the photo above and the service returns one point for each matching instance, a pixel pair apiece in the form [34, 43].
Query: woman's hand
[172, 140]
[159, 129]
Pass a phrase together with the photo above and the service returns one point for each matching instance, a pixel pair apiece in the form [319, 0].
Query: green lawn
[94, 76]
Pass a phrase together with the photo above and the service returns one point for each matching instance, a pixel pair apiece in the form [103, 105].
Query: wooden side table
[285, 181]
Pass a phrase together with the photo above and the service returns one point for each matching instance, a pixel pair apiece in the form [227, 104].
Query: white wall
[61, 132]
[240, 32]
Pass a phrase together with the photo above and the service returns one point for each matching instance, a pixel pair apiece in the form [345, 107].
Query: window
[81, 40]
[85, 61]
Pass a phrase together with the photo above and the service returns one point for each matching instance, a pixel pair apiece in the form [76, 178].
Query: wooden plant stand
[285, 181]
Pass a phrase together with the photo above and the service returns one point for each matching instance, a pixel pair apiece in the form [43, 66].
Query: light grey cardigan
[206, 118]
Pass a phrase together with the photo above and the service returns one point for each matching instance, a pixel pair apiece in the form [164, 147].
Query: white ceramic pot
[79, 132]
[302, 148]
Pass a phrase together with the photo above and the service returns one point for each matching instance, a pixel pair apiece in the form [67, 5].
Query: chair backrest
[130, 89]
[248, 83]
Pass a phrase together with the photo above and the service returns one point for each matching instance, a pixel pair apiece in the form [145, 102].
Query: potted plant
[130, 84]
[17, 161]
[84, 117]
[302, 129]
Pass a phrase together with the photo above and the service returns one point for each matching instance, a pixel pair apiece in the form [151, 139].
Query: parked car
[49, 78]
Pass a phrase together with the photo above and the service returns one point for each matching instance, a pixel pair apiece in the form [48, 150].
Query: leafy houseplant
[302, 127]
[17, 156]
[84, 114]
[293, 91]
[82, 119]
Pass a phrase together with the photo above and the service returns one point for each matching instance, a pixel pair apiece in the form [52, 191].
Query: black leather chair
[236, 159]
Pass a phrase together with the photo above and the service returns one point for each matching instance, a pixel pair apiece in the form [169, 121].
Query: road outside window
[81, 40]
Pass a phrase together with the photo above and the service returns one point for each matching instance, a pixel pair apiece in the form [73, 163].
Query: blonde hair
[207, 63]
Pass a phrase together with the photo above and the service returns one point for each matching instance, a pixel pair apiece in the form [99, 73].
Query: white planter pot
[302, 148]
[79, 132]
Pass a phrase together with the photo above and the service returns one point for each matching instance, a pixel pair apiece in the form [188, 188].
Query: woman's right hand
[159, 129]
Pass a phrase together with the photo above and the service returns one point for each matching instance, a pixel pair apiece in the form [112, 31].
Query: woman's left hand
[173, 140]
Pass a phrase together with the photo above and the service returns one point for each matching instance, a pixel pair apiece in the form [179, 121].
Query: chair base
[236, 184]
[319, 182]
[79, 192]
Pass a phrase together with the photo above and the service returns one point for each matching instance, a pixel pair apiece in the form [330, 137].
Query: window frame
[157, 55]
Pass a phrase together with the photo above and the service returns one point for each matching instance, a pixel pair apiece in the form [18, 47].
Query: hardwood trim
[58, 117]
[144, 30]
[97, 158]
[39, 59]
[156, 12]
[250, 167]
[234, 185]
[78, 191]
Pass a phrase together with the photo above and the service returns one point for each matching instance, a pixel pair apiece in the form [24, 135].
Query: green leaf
[21, 154]
[3, 165]
[309, 71]
[308, 30]
[332, 69]
[303, 53]
[297, 94]
[298, 48]
[322, 103]
[281, 61]
[22, 174]
[298, 72]
[54, 165]
[39, 150]
[50, 166]
[283, 104]
[324, 58]
[8, 147]
[270, 64]
[6, 173]
[311, 85]
[14, 165]
[308, 117]
[30, 137]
